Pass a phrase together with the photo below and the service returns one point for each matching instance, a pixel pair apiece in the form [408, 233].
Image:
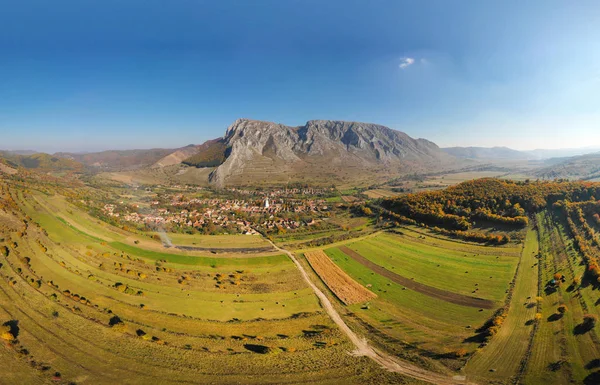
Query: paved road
[362, 346]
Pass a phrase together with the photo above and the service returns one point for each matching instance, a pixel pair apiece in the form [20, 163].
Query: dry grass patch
[345, 288]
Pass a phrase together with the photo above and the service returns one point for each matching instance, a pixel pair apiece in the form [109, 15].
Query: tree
[590, 320]
[6, 333]
[562, 309]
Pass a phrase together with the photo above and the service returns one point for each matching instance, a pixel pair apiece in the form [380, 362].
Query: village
[178, 213]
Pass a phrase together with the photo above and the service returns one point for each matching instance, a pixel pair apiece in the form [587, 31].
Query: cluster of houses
[284, 192]
[226, 213]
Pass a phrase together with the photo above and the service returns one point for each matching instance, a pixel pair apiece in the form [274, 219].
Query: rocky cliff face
[260, 151]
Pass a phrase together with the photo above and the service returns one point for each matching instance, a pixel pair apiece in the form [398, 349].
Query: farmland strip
[341, 284]
[454, 298]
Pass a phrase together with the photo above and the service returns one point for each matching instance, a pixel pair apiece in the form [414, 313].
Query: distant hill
[327, 151]
[177, 156]
[41, 162]
[578, 167]
[211, 153]
[561, 152]
[6, 167]
[504, 153]
[117, 160]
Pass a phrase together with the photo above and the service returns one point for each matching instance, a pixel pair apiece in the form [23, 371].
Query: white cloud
[406, 62]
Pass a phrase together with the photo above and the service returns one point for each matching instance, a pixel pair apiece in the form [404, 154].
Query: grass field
[501, 359]
[219, 241]
[90, 303]
[559, 352]
[94, 307]
[416, 321]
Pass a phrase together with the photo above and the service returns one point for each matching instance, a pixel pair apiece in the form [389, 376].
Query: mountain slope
[577, 167]
[114, 160]
[321, 151]
[504, 153]
[209, 154]
[41, 162]
[177, 156]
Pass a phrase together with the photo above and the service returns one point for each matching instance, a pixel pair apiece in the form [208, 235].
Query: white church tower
[267, 203]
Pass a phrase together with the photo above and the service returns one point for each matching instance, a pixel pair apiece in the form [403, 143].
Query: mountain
[577, 167]
[541, 154]
[503, 153]
[5, 167]
[209, 154]
[115, 160]
[178, 156]
[40, 162]
[320, 151]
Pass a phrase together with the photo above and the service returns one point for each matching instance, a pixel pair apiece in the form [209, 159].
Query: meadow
[92, 305]
[416, 322]
[84, 301]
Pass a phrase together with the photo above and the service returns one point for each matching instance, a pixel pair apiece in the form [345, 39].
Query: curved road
[362, 346]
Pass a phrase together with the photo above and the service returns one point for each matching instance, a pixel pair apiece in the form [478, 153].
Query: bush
[590, 320]
[562, 309]
[6, 333]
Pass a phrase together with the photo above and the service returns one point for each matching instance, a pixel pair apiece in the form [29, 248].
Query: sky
[94, 75]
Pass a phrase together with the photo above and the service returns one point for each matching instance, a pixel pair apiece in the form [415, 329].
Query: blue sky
[92, 75]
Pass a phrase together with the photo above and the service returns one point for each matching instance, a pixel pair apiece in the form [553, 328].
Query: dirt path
[458, 299]
[362, 346]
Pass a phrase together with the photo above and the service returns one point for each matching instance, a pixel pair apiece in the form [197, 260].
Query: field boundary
[341, 284]
[458, 299]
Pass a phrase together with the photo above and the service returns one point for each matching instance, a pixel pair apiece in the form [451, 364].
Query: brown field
[380, 193]
[349, 198]
[345, 288]
[455, 298]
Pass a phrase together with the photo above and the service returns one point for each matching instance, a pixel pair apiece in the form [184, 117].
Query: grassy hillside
[42, 162]
[85, 302]
[210, 154]
[118, 160]
[580, 167]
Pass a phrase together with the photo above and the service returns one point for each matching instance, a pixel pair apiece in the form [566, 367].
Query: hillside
[504, 153]
[6, 168]
[209, 154]
[41, 162]
[322, 151]
[177, 156]
[115, 160]
[578, 167]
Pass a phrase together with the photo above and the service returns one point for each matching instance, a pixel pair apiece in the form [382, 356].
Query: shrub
[562, 309]
[6, 333]
[590, 320]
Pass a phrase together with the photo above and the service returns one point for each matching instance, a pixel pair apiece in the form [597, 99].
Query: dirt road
[362, 346]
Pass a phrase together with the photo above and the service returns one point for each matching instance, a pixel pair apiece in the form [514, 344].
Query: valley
[281, 284]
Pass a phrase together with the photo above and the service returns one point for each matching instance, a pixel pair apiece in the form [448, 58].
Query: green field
[177, 308]
[218, 241]
[501, 359]
[415, 321]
